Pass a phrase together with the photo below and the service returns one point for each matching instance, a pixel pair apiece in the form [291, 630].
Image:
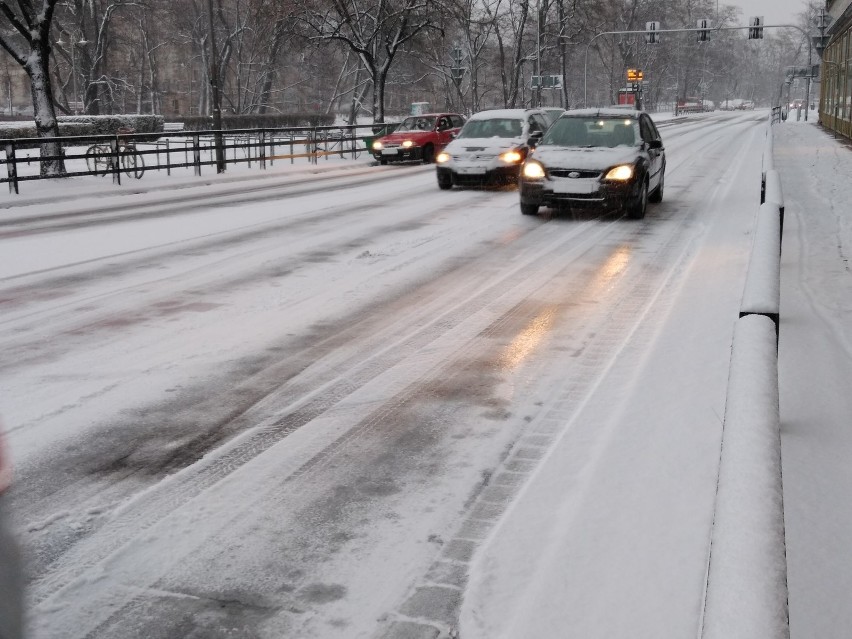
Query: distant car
[11, 579]
[490, 148]
[605, 159]
[417, 138]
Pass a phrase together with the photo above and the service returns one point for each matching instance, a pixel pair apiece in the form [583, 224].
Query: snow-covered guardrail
[747, 576]
[768, 162]
[762, 291]
[746, 593]
[773, 194]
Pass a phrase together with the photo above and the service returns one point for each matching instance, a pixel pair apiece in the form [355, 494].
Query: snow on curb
[747, 576]
[768, 158]
[774, 194]
[762, 292]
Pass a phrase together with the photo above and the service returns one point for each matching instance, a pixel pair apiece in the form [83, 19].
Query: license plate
[390, 151]
[580, 186]
[470, 170]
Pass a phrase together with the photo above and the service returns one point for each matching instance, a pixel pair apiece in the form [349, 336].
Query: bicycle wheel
[138, 165]
[98, 159]
[132, 163]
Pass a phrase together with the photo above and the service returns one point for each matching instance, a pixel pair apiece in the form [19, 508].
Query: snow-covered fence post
[774, 193]
[762, 292]
[196, 154]
[262, 141]
[747, 576]
[115, 160]
[768, 163]
[12, 168]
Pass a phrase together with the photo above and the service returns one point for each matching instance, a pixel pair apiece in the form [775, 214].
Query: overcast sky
[774, 11]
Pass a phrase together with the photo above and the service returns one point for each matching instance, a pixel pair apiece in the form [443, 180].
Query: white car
[490, 148]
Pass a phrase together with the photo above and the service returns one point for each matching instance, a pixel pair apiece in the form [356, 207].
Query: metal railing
[125, 155]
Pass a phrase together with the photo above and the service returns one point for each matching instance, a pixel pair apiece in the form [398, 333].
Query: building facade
[835, 104]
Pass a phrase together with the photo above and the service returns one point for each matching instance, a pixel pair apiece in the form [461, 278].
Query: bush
[257, 121]
[90, 125]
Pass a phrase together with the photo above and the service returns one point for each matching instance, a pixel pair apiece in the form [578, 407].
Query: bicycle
[99, 157]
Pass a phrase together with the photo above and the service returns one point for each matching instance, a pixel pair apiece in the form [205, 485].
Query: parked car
[490, 148]
[11, 579]
[603, 159]
[417, 138]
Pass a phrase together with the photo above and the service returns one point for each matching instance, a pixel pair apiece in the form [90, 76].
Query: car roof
[603, 111]
[431, 115]
[503, 113]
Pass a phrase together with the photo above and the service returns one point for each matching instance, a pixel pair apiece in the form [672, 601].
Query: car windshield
[417, 123]
[492, 128]
[592, 132]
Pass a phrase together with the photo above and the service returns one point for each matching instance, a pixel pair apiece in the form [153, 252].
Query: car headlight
[511, 157]
[442, 157]
[408, 144]
[620, 173]
[377, 146]
[533, 171]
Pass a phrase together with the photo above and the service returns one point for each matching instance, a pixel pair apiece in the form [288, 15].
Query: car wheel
[445, 182]
[636, 208]
[529, 209]
[428, 154]
[657, 195]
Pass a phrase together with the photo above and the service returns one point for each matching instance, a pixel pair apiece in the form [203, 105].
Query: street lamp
[74, 43]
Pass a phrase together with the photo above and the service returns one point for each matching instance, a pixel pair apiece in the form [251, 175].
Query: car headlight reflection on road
[377, 146]
[620, 173]
[408, 144]
[442, 157]
[533, 171]
[511, 157]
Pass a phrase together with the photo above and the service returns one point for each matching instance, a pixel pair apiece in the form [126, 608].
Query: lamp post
[538, 51]
[74, 43]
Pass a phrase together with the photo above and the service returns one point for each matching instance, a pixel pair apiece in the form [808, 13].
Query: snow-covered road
[295, 405]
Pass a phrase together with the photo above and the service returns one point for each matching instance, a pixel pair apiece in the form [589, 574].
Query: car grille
[564, 173]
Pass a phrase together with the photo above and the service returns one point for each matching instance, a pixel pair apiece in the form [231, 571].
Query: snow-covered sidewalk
[815, 373]
[582, 552]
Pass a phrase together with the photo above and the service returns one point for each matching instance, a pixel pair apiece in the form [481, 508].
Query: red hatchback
[418, 138]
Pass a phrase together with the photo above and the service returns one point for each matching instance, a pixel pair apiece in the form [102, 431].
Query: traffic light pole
[767, 26]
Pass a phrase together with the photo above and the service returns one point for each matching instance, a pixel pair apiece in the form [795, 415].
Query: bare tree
[28, 42]
[376, 30]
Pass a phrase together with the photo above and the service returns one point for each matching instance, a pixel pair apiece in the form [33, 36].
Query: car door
[445, 130]
[649, 133]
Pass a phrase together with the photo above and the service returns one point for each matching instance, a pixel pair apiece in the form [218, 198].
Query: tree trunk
[37, 68]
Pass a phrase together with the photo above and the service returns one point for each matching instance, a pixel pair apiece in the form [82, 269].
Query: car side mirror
[655, 144]
[535, 138]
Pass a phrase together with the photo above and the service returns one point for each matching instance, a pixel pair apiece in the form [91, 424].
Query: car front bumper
[477, 175]
[399, 154]
[577, 194]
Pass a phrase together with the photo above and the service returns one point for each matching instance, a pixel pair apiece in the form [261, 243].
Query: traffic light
[704, 30]
[755, 31]
[651, 35]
